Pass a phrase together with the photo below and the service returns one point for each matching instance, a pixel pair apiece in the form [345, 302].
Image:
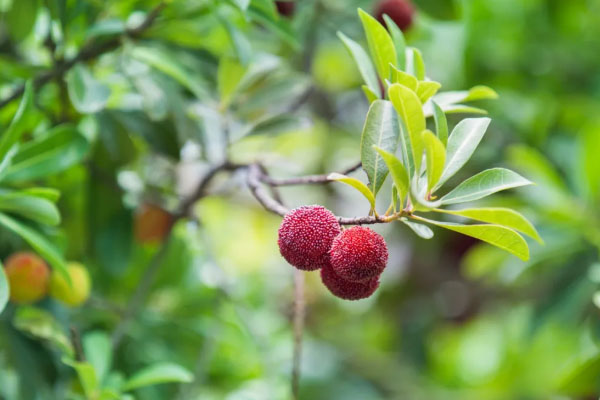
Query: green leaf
[355, 183]
[435, 153]
[426, 89]
[41, 324]
[463, 141]
[363, 62]
[380, 44]
[499, 216]
[405, 79]
[381, 130]
[536, 165]
[37, 242]
[166, 63]
[158, 373]
[418, 65]
[241, 44]
[371, 97]
[398, 172]
[475, 93]
[45, 193]
[409, 108]
[398, 39]
[441, 123]
[590, 162]
[97, 349]
[484, 184]
[229, 76]
[60, 149]
[35, 208]
[86, 93]
[18, 123]
[4, 289]
[423, 231]
[496, 235]
[273, 124]
[87, 376]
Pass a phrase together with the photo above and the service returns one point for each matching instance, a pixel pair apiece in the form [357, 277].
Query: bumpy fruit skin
[305, 237]
[400, 11]
[345, 289]
[152, 224]
[285, 8]
[358, 254]
[79, 290]
[28, 277]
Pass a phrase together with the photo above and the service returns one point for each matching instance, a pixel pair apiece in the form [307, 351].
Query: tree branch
[89, 51]
[306, 180]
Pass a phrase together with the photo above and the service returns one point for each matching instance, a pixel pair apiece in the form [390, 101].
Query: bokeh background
[453, 319]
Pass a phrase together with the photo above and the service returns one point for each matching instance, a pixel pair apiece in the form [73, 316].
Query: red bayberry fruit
[152, 223]
[285, 8]
[400, 11]
[358, 254]
[305, 236]
[345, 289]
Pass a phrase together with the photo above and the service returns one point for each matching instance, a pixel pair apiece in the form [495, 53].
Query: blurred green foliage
[142, 120]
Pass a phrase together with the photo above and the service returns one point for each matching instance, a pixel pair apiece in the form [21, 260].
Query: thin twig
[76, 342]
[91, 50]
[299, 313]
[305, 180]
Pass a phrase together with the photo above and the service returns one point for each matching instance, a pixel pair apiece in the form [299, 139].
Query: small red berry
[358, 254]
[285, 8]
[305, 236]
[345, 289]
[400, 11]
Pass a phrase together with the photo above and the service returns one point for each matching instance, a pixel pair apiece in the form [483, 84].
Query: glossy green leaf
[37, 209]
[229, 76]
[241, 44]
[426, 89]
[371, 97]
[399, 41]
[418, 65]
[18, 124]
[86, 93]
[405, 79]
[355, 183]
[37, 242]
[463, 141]
[499, 216]
[441, 123]
[423, 231]
[41, 324]
[484, 184]
[87, 377]
[45, 193]
[435, 153]
[363, 62]
[158, 373]
[381, 130]
[408, 106]
[496, 235]
[536, 165]
[4, 289]
[398, 172]
[461, 96]
[381, 46]
[98, 351]
[590, 162]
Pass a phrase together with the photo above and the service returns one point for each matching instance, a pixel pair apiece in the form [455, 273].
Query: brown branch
[76, 343]
[89, 51]
[256, 178]
[306, 180]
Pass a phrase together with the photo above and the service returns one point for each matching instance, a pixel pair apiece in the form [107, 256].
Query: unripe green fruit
[79, 290]
[28, 277]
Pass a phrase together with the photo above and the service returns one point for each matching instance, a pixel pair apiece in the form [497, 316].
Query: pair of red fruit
[350, 260]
